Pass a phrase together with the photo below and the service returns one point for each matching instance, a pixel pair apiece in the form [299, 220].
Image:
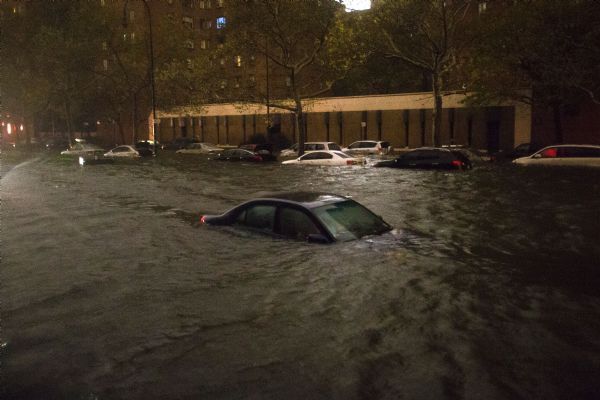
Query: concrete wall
[403, 120]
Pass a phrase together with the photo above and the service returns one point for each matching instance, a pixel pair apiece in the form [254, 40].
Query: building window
[189, 44]
[188, 22]
[132, 15]
[222, 61]
[237, 82]
[221, 22]
[104, 46]
[105, 64]
[237, 60]
[206, 24]
[223, 84]
[102, 3]
[482, 7]
[204, 44]
[219, 3]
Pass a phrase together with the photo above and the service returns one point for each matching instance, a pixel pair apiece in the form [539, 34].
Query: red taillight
[349, 162]
[457, 163]
[203, 219]
[257, 158]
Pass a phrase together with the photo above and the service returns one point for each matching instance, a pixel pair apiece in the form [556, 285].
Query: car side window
[295, 224]
[334, 146]
[316, 156]
[354, 145]
[261, 217]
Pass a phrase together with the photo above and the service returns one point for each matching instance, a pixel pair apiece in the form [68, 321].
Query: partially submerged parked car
[200, 148]
[238, 155]
[179, 143]
[522, 150]
[310, 146]
[82, 149]
[575, 155]
[366, 147]
[429, 158]
[126, 151]
[328, 158]
[264, 150]
[314, 217]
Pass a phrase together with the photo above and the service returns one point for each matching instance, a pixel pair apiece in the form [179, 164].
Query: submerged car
[238, 155]
[264, 150]
[331, 158]
[575, 155]
[313, 217]
[429, 158]
[310, 146]
[200, 148]
[82, 149]
[127, 151]
[365, 147]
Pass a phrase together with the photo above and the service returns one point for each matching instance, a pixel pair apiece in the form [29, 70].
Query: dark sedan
[239, 155]
[429, 158]
[314, 217]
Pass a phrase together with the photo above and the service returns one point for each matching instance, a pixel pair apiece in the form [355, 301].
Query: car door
[258, 217]
[294, 223]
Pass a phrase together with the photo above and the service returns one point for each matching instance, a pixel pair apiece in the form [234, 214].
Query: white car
[200, 148]
[365, 147]
[123, 151]
[310, 146]
[81, 149]
[326, 158]
[576, 155]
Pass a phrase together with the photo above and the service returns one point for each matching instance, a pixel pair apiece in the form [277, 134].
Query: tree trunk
[437, 109]
[68, 120]
[558, 128]
[300, 126]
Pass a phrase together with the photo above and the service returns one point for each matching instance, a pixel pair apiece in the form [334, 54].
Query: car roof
[591, 146]
[305, 199]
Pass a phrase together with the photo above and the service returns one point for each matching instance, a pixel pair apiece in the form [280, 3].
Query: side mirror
[317, 238]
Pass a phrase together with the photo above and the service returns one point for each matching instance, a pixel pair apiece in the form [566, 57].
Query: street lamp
[152, 88]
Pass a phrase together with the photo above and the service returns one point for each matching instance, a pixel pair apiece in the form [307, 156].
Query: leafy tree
[51, 66]
[550, 48]
[430, 35]
[297, 37]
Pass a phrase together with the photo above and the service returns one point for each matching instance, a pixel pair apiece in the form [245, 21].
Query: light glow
[352, 5]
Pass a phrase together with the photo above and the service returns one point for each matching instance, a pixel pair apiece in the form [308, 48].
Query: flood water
[489, 288]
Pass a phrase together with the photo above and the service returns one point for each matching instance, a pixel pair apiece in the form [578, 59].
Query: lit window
[223, 84]
[189, 44]
[104, 46]
[204, 44]
[105, 64]
[219, 3]
[238, 61]
[221, 22]
[132, 15]
[188, 22]
[482, 7]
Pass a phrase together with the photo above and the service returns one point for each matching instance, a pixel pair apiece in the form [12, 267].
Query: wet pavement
[489, 288]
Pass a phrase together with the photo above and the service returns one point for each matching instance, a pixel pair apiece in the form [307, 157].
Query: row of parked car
[332, 154]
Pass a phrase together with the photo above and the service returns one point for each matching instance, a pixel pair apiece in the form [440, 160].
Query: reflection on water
[488, 288]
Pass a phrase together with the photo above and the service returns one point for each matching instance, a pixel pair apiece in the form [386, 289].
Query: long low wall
[404, 120]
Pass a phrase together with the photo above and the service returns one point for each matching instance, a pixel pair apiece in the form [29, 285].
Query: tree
[51, 67]
[430, 35]
[551, 48]
[295, 36]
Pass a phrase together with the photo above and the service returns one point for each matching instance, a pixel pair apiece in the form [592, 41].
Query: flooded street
[489, 289]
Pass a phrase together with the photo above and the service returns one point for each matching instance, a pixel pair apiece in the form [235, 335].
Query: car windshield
[349, 220]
